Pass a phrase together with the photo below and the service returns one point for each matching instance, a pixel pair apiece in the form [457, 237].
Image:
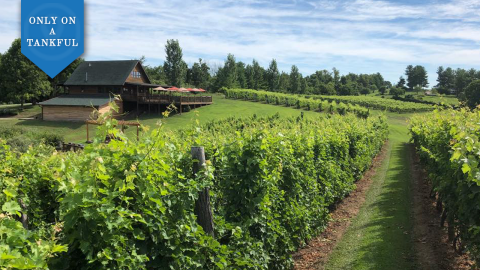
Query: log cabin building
[94, 83]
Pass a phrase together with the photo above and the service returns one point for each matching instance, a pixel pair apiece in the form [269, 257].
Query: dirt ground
[433, 250]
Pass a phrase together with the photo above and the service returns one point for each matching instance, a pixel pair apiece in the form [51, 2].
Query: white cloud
[354, 35]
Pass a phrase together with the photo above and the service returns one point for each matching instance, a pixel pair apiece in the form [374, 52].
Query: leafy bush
[27, 193]
[448, 144]
[8, 112]
[397, 91]
[21, 138]
[379, 103]
[472, 94]
[130, 204]
[295, 101]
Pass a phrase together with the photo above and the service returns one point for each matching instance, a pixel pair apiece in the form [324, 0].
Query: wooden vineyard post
[202, 205]
[88, 138]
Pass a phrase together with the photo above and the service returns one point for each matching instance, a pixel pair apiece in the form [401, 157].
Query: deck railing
[167, 99]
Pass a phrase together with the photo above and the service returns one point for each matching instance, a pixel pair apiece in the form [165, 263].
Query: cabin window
[136, 74]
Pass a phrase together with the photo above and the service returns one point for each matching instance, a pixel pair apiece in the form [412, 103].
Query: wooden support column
[202, 205]
[88, 138]
[137, 102]
[149, 99]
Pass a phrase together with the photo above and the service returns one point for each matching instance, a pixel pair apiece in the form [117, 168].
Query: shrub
[397, 91]
[448, 143]
[130, 204]
[295, 101]
[21, 138]
[8, 112]
[472, 94]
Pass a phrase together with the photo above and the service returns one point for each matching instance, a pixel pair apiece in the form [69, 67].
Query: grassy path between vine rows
[397, 226]
[380, 236]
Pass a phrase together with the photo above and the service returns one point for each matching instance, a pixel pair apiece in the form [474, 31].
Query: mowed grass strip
[380, 236]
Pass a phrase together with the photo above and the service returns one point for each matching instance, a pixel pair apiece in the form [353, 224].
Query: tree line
[456, 80]
[237, 74]
[23, 81]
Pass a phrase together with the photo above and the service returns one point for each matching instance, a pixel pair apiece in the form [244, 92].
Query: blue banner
[52, 33]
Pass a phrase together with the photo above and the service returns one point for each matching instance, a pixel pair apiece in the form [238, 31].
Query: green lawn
[28, 110]
[380, 236]
[222, 108]
[14, 106]
[449, 100]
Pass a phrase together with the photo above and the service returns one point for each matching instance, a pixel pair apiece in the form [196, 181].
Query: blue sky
[360, 36]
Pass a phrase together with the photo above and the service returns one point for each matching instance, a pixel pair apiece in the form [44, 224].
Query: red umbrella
[202, 90]
[173, 88]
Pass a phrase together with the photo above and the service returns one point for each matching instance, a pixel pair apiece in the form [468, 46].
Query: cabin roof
[78, 100]
[102, 73]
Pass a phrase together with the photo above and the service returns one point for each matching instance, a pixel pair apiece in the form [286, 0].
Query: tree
[283, 82]
[348, 88]
[336, 79]
[200, 75]
[156, 74]
[295, 80]
[21, 79]
[416, 76]
[142, 60]
[241, 77]
[462, 79]
[304, 87]
[410, 76]
[401, 82]
[230, 72]
[273, 76]
[365, 91]
[472, 94]
[363, 80]
[397, 91]
[383, 89]
[445, 79]
[175, 68]
[327, 89]
[377, 80]
[249, 77]
[227, 75]
[1, 90]
[63, 76]
[258, 71]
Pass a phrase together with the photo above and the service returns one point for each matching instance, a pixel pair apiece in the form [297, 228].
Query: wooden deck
[167, 99]
[179, 100]
[158, 100]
